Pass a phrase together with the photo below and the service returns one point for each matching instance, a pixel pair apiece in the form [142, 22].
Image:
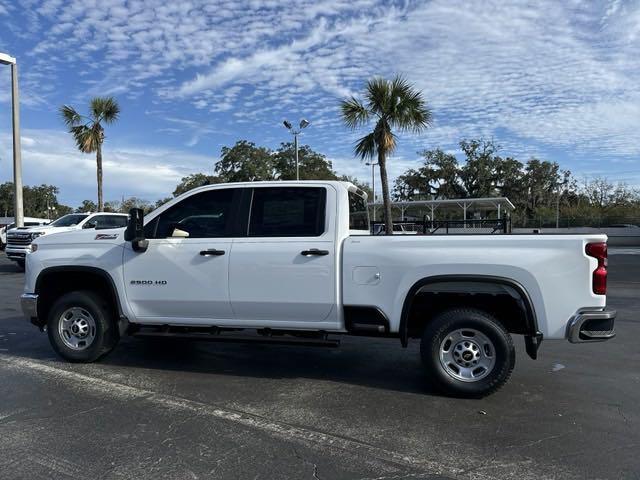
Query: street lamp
[303, 124]
[17, 159]
[373, 186]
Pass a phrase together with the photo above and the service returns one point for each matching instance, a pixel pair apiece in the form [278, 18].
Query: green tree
[411, 186]
[541, 181]
[478, 174]
[88, 131]
[135, 202]
[441, 172]
[194, 180]
[39, 201]
[6, 199]
[508, 178]
[392, 105]
[162, 201]
[87, 206]
[313, 165]
[244, 162]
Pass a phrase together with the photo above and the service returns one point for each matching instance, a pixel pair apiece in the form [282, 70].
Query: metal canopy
[500, 204]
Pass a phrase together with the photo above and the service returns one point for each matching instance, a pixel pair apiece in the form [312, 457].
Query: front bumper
[16, 253]
[29, 304]
[591, 326]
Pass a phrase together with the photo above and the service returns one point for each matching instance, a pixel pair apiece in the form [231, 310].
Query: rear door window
[287, 212]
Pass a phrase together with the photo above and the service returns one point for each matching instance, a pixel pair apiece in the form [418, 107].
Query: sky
[557, 80]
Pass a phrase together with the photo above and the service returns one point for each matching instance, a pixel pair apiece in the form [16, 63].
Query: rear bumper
[591, 326]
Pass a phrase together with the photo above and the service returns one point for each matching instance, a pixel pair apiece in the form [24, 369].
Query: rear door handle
[314, 251]
[212, 252]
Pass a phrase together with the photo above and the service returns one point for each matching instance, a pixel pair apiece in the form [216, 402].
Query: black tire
[20, 264]
[105, 333]
[435, 337]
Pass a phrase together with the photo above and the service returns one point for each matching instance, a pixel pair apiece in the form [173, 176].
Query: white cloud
[541, 76]
[51, 157]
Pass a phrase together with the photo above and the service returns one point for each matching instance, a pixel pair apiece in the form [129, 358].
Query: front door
[183, 274]
[283, 272]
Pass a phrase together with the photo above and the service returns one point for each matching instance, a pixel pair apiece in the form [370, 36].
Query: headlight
[35, 235]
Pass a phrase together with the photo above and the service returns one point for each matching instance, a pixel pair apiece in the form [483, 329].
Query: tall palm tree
[88, 132]
[393, 105]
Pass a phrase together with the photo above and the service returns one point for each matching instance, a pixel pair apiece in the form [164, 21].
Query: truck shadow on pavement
[380, 364]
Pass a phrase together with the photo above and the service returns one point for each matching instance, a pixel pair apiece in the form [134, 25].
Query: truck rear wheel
[467, 353]
[80, 327]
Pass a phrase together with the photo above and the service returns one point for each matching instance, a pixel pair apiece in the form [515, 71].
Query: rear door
[283, 271]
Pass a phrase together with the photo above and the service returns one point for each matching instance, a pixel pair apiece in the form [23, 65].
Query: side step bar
[235, 338]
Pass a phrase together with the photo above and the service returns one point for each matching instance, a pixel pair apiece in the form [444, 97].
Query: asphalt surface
[176, 410]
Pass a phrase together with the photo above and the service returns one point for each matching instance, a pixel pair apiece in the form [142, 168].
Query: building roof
[490, 203]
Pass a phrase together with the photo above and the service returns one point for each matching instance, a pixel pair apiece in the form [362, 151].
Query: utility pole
[17, 157]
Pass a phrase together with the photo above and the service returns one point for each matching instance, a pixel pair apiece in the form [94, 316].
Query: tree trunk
[386, 200]
[99, 174]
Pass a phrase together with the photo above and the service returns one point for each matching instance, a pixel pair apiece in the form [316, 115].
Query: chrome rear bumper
[591, 326]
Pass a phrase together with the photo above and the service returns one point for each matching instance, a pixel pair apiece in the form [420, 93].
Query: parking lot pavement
[181, 410]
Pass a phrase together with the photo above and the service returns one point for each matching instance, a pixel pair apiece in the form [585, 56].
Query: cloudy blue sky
[558, 80]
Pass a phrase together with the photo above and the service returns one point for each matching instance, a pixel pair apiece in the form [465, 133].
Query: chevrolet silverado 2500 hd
[296, 261]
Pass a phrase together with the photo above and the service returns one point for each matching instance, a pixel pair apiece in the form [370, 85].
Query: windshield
[69, 220]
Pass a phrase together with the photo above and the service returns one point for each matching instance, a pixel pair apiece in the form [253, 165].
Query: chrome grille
[18, 239]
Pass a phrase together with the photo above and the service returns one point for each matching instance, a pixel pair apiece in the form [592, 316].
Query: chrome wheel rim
[467, 355]
[77, 328]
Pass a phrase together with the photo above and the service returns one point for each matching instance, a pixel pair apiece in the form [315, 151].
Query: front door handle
[314, 251]
[212, 252]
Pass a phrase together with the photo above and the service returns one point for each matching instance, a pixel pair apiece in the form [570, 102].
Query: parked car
[19, 239]
[296, 262]
[28, 222]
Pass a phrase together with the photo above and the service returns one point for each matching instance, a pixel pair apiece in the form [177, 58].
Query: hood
[42, 228]
[70, 235]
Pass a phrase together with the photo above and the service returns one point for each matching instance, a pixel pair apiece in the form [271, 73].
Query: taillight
[599, 252]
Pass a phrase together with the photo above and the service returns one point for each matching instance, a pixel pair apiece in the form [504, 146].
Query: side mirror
[135, 230]
[89, 225]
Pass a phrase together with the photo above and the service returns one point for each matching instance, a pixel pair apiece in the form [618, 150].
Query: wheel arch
[70, 278]
[513, 287]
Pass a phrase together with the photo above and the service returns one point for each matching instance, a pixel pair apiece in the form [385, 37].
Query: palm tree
[394, 104]
[88, 132]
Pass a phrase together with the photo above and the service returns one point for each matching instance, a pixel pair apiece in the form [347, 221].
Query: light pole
[373, 186]
[303, 124]
[17, 159]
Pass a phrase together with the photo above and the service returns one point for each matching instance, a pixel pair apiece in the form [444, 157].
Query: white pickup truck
[295, 261]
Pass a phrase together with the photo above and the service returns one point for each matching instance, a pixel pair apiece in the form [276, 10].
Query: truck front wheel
[80, 327]
[467, 352]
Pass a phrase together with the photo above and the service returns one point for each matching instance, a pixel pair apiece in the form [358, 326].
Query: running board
[274, 340]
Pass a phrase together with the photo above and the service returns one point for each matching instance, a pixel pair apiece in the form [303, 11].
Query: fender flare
[526, 304]
[83, 269]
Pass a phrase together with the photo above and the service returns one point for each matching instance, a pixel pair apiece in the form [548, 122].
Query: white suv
[19, 239]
